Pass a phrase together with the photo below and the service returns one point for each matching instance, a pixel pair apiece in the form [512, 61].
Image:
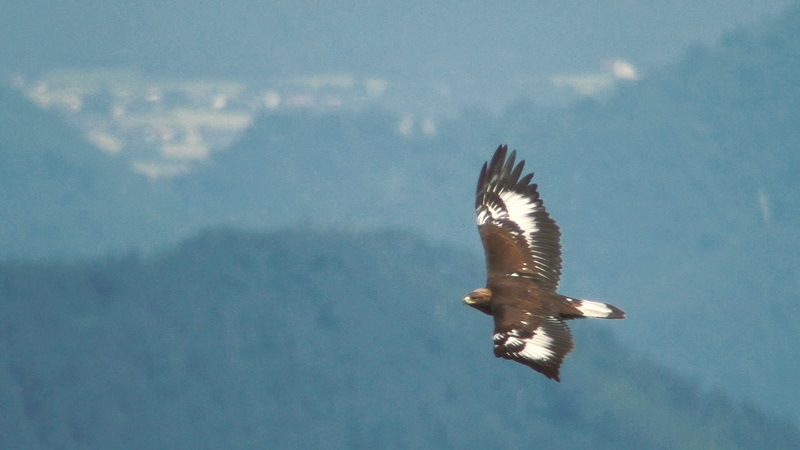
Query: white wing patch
[520, 211]
[488, 213]
[538, 347]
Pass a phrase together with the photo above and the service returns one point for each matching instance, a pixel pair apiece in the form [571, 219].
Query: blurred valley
[259, 256]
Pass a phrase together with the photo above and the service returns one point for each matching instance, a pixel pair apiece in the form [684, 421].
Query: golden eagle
[523, 264]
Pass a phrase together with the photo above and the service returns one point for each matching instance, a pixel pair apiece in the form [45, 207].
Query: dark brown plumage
[522, 245]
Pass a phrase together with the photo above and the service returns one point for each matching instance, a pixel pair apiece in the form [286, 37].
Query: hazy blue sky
[245, 37]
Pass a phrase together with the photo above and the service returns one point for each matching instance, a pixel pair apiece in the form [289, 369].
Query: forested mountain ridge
[306, 338]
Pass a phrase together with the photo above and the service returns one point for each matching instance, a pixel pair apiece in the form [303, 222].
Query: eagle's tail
[575, 308]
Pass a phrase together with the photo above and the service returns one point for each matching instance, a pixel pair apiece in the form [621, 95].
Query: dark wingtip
[499, 156]
[554, 373]
[550, 372]
[616, 313]
[492, 169]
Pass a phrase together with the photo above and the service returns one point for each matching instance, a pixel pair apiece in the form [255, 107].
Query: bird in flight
[522, 245]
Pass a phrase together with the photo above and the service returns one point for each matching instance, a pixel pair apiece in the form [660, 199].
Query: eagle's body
[523, 263]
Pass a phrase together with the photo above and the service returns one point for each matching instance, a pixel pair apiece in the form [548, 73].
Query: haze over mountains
[677, 197]
[676, 194]
[452, 52]
[61, 197]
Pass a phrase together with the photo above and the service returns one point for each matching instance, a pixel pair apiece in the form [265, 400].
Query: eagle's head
[480, 299]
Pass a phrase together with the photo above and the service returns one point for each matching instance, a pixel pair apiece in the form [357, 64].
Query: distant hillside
[681, 202]
[712, 137]
[353, 170]
[310, 339]
[677, 197]
[59, 196]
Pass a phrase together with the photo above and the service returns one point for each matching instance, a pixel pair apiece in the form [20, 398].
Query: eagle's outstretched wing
[519, 237]
[538, 341]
